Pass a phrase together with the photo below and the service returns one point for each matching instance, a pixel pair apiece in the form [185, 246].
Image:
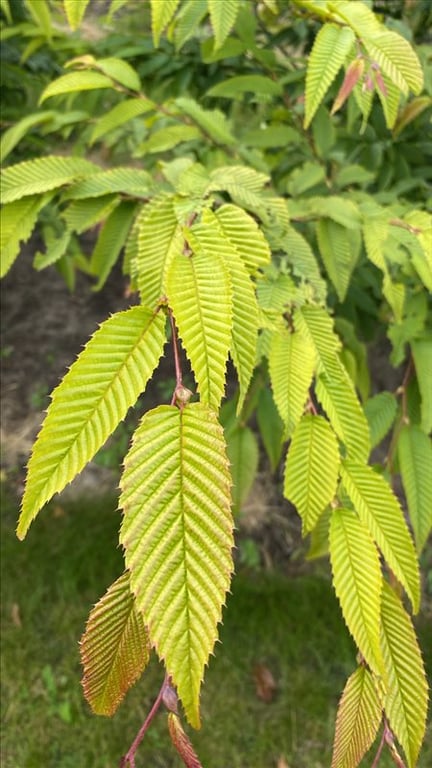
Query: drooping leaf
[119, 115]
[236, 87]
[223, 17]
[357, 580]
[111, 240]
[16, 225]
[304, 262]
[35, 176]
[161, 15]
[200, 296]
[182, 742]
[73, 82]
[243, 232]
[319, 537]
[245, 326]
[380, 511]
[168, 137]
[212, 121]
[291, 365]
[81, 215]
[56, 248]
[119, 71]
[330, 50]
[188, 19]
[94, 396]
[311, 470]
[406, 699]
[358, 719]
[12, 136]
[271, 427]
[380, 411]
[422, 353]
[339, 249]
[115, 648]
[177, 535]
[129, 181]
[415, 465]
[243, 455]
[160, 239]
[75, 10]
[397, 59]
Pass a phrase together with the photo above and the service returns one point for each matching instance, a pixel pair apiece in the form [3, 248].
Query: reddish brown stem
[129, 758]
[177, 364]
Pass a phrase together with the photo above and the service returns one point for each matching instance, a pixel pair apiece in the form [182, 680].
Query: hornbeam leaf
[129, 181]
[357, 581]
[212, 121]
[243, 232]
[94, 396]
[330, 50]
[245, 308]
[76, 81]
[291, 365]
[339, 249]
[200, 296]
[17, 223]
[422, 354]
[358, 719]
[415, 465]
[271, 427]
[379, 509]
[159, 240]
[75, 10]
[161, 15]
[243, 455]
[177, 534]
[111, 240]
[223, 17]
[380, 411]
[115, 648]
[35, 176]
[396, 59]
[311, 470]
[120, 114]
[406, 699]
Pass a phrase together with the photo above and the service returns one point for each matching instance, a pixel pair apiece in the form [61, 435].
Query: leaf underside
[358, 719]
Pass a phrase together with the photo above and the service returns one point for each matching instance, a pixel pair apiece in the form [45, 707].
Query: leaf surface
[379, 509]
[415, 465]
[339, 248]
[111, 240]
[244, 234]
[161, 15]
[119, 115]
[114, 649]
[35, 176]
[200, 295]
[75, 10]
[357, 581]
[358, 720]
[94, 396]
[212, 121]
[291, 366]
[243, 455]
[380, 411]
[329, 51]
[422, 353]
[311, 469]
[17, 223]
[129, 181]
[73, 82]
[406, 699]
[223, 17]
[177, 535]
[160, 239]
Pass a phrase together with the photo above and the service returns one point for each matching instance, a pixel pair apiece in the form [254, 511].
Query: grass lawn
[291, 626]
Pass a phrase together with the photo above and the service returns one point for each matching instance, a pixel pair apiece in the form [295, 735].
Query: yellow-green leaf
[358, 720]
[94, 396]
[159, 240]
[75, 10]
[115, 648]
[415, 464]
[379, 509]
[311, 470]
[177, 534]
[162, 11]
[406, 700]
[329, 52]
[222, 16]
[339, 249]
[76, 81]
[357, 581]
[380, 411]
[243, 455]
[243, 232]
[422, 354]
[35, 176]
[291, 366]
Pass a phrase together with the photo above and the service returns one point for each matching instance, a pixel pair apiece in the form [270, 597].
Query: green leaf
[177, 535]
[358, 719]
[311, 470]
[114, 648]
[200, 296]
[291, 366]
[236, 87]
[339, 209]
[211, 121]
[329, 52]
[357, 580]
[211, 238]
[244, 234]
[76, 82]
[111, 240]
[396, 59]
[119, 71]
[167, 138]
[129, 181]
[422, 354]
[188, 20]
[380, 411]
[405, 702]
[243, 455]
[319, 537]
[271, 136]
[305, 177]
[161, 15]
[303, 261]
[119, 115]
[41, 15]
[35, 176]
[379, 509]
[75, 10]
[415, 465]
[271, 427]
[12, 136]
[81, 215]
[94, 396]
[160, 239]
[56, 247]
[17, 223]
[340, 249]
[223, 17]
